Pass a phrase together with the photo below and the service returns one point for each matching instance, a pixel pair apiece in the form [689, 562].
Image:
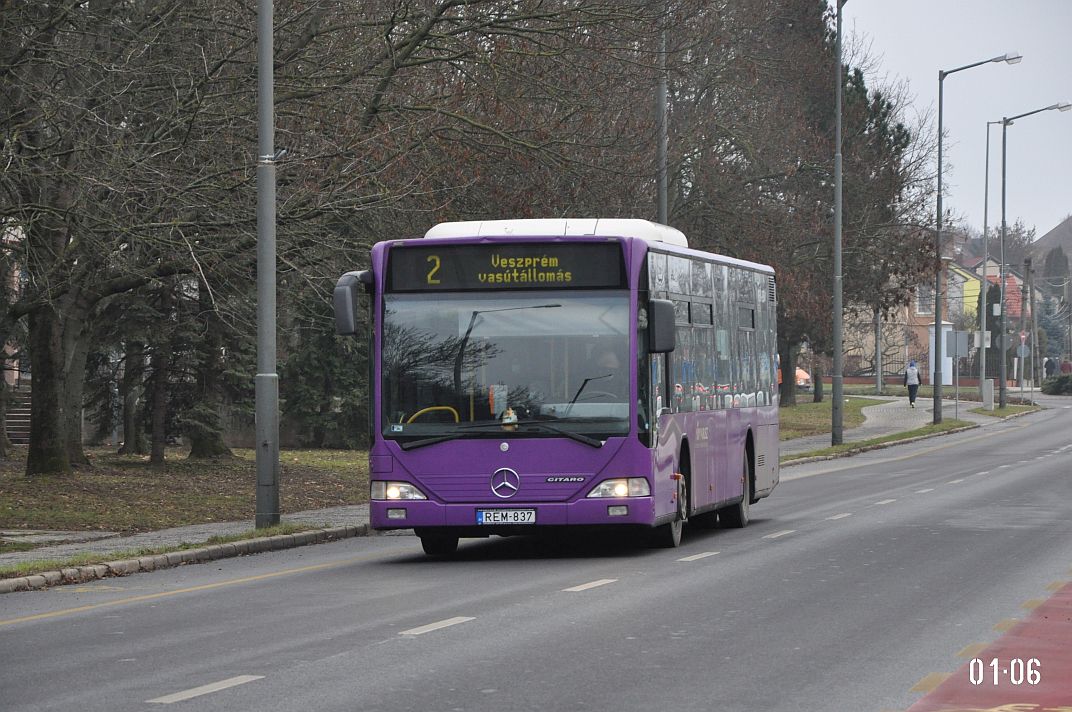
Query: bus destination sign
[545, 265]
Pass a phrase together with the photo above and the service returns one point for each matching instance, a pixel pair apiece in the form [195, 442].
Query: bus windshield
[470, 365]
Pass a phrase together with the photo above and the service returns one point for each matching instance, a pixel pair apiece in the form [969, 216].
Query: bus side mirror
[661, 326]
[347, 290]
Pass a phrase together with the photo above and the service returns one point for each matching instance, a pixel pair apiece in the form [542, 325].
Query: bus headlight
[394, 491]
[624, 487]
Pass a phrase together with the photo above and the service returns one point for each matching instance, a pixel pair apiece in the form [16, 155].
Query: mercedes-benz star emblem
[505, 483]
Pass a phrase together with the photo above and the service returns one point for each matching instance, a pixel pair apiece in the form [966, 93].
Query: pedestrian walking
[911, 379]
[1050, 367]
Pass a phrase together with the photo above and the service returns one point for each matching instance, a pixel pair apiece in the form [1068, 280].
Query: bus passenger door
[666, 437]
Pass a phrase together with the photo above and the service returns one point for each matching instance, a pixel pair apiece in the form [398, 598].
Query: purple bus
[537, 374]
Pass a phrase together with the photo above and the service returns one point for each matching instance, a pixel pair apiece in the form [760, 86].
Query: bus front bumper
[409, 514]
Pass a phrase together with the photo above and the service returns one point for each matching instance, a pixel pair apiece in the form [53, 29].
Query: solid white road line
[436, 626]
[886, 501]
[925, 491]
[839, 516]
[697, 557]
[205, 689]
[775, 535]
[590, 584]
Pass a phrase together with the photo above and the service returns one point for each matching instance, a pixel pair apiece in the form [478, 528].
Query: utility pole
[1021, 359]
[662, 120]
[1036, 354]
[878, 351]
[837, 401]
[267, 380]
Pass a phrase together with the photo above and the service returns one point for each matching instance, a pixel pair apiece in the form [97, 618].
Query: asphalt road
[856, 580]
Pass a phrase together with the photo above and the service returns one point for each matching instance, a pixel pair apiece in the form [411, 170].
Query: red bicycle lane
[1028, 669]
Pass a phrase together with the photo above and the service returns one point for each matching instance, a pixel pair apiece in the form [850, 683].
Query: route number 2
[434, 261]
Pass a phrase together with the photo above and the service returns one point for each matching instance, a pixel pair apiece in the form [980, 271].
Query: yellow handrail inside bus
[430, 409]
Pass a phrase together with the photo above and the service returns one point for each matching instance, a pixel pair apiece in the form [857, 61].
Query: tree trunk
[161, 365]
[817, 381]
[133, 424]
[48, 447]
[5, 398]
[787, 357]
[203, 421]
[76, 351]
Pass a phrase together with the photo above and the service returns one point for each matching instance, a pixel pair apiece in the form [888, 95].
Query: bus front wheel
[736, 516]
[668, 536]
[439, 544]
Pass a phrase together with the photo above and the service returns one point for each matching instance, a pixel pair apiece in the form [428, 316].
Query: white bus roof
[554, 227]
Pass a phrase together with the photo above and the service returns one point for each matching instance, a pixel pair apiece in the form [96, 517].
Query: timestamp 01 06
[1015, 671]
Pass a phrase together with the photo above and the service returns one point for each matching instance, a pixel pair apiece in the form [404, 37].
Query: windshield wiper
[443, 438]
[571, 435]
[592, 442]
[412, 444]
[577, 395]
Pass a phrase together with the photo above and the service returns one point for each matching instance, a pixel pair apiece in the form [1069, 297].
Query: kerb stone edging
[92, 572]
[891, 443]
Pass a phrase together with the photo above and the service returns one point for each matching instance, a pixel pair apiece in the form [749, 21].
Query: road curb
[881, 446]
[124, 567]
[877, 446]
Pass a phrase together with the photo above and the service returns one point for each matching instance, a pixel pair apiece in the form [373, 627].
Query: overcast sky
[911, 40]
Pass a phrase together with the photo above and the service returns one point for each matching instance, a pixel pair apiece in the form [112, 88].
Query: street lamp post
[267, 380]
[1003, 398]
[1010, 58]
[837, 404]
[986, 269]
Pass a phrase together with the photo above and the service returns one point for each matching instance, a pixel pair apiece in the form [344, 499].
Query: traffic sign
[1023, 351]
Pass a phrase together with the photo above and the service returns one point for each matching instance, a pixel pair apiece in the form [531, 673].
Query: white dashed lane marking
[886, 501]
[839, 516]
[590, 584]
[437, 626]
[775, 535]
[697, 557]
[205, 689]
[925, 491]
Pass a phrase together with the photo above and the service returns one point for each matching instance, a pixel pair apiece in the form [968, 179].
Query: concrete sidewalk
[893, 415]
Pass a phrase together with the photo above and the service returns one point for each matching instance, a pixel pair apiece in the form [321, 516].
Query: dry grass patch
[126, 494]
[797, 421]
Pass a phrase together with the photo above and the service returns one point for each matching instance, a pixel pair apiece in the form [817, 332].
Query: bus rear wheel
[439, 544]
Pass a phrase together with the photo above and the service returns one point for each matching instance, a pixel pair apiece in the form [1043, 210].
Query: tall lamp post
[267, 380]
[1010, 58]
[986, 269]
[837, 404]
[1006, 122]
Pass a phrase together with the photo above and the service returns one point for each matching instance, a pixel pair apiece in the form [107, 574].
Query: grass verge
[844, 448]
[28, 568]
[1006, 411]
[7, 547]
[797, 421]
[126, 494]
